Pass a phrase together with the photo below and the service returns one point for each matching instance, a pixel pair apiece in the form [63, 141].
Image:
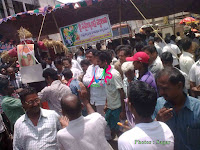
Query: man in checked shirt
[36, 129]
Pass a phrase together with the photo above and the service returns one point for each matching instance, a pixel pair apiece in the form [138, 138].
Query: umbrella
[187, 20]
[194, 30]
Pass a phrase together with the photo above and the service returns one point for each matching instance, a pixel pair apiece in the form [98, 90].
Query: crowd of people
[146, 95]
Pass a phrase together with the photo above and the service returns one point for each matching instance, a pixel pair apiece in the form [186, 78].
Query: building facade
[11, 7]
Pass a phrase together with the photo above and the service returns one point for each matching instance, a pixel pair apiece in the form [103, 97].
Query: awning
[66, 14]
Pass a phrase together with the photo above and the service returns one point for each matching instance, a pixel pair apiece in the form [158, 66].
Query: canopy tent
[70, 13]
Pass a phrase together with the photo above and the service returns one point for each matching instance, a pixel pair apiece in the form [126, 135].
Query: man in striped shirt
[37, 129]
[179, 111]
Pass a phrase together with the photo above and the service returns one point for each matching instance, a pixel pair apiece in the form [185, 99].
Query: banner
[26, 55]
[86, 31]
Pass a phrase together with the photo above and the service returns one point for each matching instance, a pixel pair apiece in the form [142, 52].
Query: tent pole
[174, 25]
[120, 21]
[41, 28]
[174, 18]
[56, 23]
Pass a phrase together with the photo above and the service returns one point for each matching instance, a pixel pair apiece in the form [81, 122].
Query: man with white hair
[129, 74]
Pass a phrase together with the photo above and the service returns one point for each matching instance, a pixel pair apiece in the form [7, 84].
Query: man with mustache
[36, 129]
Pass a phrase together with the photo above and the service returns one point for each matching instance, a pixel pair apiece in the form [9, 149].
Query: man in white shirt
[194, 76]
[67, 63]
[55, 91]
[155, 64]
[147, 134]
[114, 92]
[50, 63]
[157, 44]
[174, 49]
[97, 93]
[36, 129]
[82, 133]
[186, 59]
[75, 64]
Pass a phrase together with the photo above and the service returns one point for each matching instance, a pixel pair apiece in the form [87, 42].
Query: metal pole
[56, 23]
[120, 21]
[174, 25]
[4, 8]
[24, 6]
[41, 28]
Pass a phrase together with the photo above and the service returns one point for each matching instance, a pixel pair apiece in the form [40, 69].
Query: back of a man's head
[71, 106]
[85, 62]
[93, 51]
[173, 37]
[67, 73]
[186, 44]
[105, 56]
[4, 82]
[167, 39]
[178, 33]
[50, 72]
[167, 58]
[143, 98]
[150, 49]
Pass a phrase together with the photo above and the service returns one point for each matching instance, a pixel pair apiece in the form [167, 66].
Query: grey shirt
[156, 66]
[53, 95]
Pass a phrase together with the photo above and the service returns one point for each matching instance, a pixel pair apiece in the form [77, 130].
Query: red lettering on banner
[92, 24]
[102, 21]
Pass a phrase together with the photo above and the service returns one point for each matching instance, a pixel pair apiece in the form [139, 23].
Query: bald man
[85, 133]
[15, 79]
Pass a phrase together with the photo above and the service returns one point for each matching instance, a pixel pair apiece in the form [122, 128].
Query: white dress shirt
[194, 74]
[187, 81]
[186, 61]
[161, 44]
[1, 124]
[97, 94]
[80, 58]
[53, 95]
[76, 65]
[51, 66]
[147, 136]
[174, 49]
[76, 72]
[40, 137]
[158, 48]
[84, 133]
[156, 66]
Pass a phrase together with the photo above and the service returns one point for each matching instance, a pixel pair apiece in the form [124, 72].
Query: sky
[68, 1]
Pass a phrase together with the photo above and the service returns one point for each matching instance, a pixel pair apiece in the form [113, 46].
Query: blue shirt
[74, 86]
[185, 125]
